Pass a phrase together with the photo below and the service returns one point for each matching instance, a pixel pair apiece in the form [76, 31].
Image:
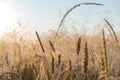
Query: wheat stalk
[104, 47]
[78, 45]
[52, 46]
[52, 65]
[59, 60]
[104, 64]
[48, 75]
[85, 62]
[102, 73]
[40, 42]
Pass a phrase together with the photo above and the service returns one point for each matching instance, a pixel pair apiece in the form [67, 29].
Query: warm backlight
[7, 17]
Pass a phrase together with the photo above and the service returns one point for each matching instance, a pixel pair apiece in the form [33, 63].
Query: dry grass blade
[52, 46]
[115, 36]
[70, 10]
[78, 45]
[40, 41]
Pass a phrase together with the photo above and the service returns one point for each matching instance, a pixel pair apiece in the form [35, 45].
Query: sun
[7, 17]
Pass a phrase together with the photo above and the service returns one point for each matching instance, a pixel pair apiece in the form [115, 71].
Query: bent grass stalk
[68, 12]
[115, 36]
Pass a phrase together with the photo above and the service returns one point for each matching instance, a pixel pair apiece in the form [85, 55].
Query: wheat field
[63, 56]
[70, 58]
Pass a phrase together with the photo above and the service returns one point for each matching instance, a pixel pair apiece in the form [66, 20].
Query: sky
[44, 15]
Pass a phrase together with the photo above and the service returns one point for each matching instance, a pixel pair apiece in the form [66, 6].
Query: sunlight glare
[7, 17]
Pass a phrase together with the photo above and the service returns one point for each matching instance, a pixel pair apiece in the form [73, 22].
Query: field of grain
[61, 56]
[69, 58]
